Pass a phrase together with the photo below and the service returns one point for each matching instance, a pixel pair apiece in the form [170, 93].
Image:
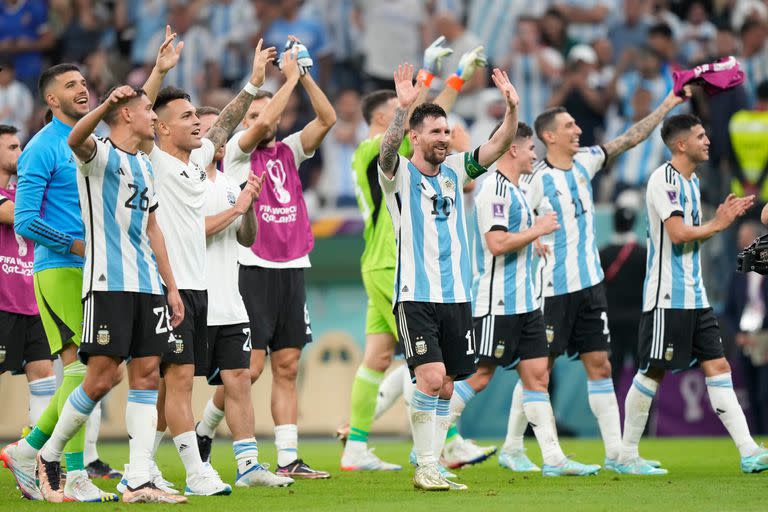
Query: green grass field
[704, 476]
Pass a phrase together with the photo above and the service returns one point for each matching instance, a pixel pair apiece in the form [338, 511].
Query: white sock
[538, 411]
[75, 412]
[602, 401]
[463, 393]
[212, 416]
[246, 454]
[92, 427]
[442, 424]
[287, 443]
[423, 419]
[186, 445]
[727, 408]
[409, 387]
[40, 393]
[158, 439]
[389, 390]
[141, 423]
[517, 421]
[636, 408]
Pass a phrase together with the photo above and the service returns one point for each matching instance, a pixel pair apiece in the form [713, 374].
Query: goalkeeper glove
[468, 65]
[433, 60]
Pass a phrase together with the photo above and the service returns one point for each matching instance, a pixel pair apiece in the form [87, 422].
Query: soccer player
[571, 283]
[229, 223]
[23, 346]
[47, 212]
[508, 320]
[433, 276]
[272, 269]
[678, 328]
[379, 259]
[179, 161]
[126, 317]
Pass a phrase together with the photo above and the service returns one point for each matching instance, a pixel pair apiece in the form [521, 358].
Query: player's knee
[286, 370]
[538, 380]
[378, 362]
[718, 366]
[256, 369]
[120, 373]
[599, 367]
[97, 386]
[430, 382]
[447, 390]
[481, 379]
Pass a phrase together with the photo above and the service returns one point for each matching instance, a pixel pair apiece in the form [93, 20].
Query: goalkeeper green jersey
[380, 247]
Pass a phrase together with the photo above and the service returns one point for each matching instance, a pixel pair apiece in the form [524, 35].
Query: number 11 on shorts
[470, 343]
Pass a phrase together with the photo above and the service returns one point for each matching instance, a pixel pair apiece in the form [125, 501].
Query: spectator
[623, 262]
[744, 10]
[754, 53]
[140, 21]
[490, 112]
[747, 136]
[309, 31]
[336, 184]
[491, 21]
[662, 41]
[661, 15]
[647, 75]
[746, 317]
[232, 25]
[631, 29]
[696, 33]
[83, 31]
[554, 32]
[393, 32]
[16, 103]
[533, 68]
[588, 18]
[24, 36]
[197, 68]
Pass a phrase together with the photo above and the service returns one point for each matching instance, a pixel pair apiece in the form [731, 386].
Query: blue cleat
[571, 468]
[755, 463]
[639, 467]
[613, 464]
[517, 461]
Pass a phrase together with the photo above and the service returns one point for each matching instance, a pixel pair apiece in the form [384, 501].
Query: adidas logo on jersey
[501, 303]
[102, 278]
[405, 289]
[667, 297]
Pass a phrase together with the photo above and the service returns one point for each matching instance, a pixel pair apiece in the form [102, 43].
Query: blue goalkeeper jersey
[47, 203]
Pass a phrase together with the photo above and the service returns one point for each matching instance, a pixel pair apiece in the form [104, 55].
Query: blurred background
[608, 61]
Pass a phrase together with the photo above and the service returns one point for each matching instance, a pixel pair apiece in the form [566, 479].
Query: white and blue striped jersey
[433, 259]
[502, 285]
[117, 194]
[574, 263]
[531, 83]
[634, 166]
[673, 277]
[495, 21]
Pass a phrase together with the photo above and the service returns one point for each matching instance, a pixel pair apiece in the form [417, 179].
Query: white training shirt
[181, 188]
[237, 165]
[673, 272]
[428, 217]
[502, 285]
[574, 263]
[225, 305]
[117, 194]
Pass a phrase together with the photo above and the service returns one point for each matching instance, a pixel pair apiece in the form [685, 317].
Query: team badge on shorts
[421, 346]
[498, 352]
[550, 331]
[2, 354]
[669, 353]
[102, 335]
[178, 345]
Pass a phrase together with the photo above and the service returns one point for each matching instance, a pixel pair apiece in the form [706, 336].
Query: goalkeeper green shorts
[58, 293]
[379, 285]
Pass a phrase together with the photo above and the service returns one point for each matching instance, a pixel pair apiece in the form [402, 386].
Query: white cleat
[78, 487]
[207, 483]
[428, 478]
[260, 476]
[148, 493]
[23, 470]
[464, 452]
[517, 461]
[365, 461]
[155, 477]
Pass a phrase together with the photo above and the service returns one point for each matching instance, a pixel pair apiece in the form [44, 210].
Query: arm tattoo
[637, 133]
[229, 118]
[391, 141]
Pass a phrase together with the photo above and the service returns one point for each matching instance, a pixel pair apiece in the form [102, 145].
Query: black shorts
[577, 323]
[125, 325]
[437, 333]
[677, 339]
[191, 345]
[22, 341]
[229, 348]
[505, 340]
[276, 302]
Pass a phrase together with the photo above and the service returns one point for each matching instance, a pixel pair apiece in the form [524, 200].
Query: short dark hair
[374, 100]
[111, 115]
[748, 25]
[544, 120]
[660, 29]
[51, 73]
[207, 111]
[424, 111]
[167, 95]
[762, 91]
[523, 130]
[7, 129]
[675, 125]
[48, 117]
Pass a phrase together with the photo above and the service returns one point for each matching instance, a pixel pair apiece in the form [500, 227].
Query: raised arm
[640, 131]
[313, 134]
[80, 140]
[157, 243]
[469, 63]
[393, 137]
[732, 208]
[234, 112]
[167, 57]
[505, 135]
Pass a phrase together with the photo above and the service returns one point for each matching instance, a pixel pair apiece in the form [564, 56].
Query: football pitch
[704, 476]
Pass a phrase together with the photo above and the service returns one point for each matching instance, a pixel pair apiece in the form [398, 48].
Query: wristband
[454, 82]
[251, 89]
[425, 76]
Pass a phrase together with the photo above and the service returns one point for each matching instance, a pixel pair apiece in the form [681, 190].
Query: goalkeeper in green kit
[378, 260]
